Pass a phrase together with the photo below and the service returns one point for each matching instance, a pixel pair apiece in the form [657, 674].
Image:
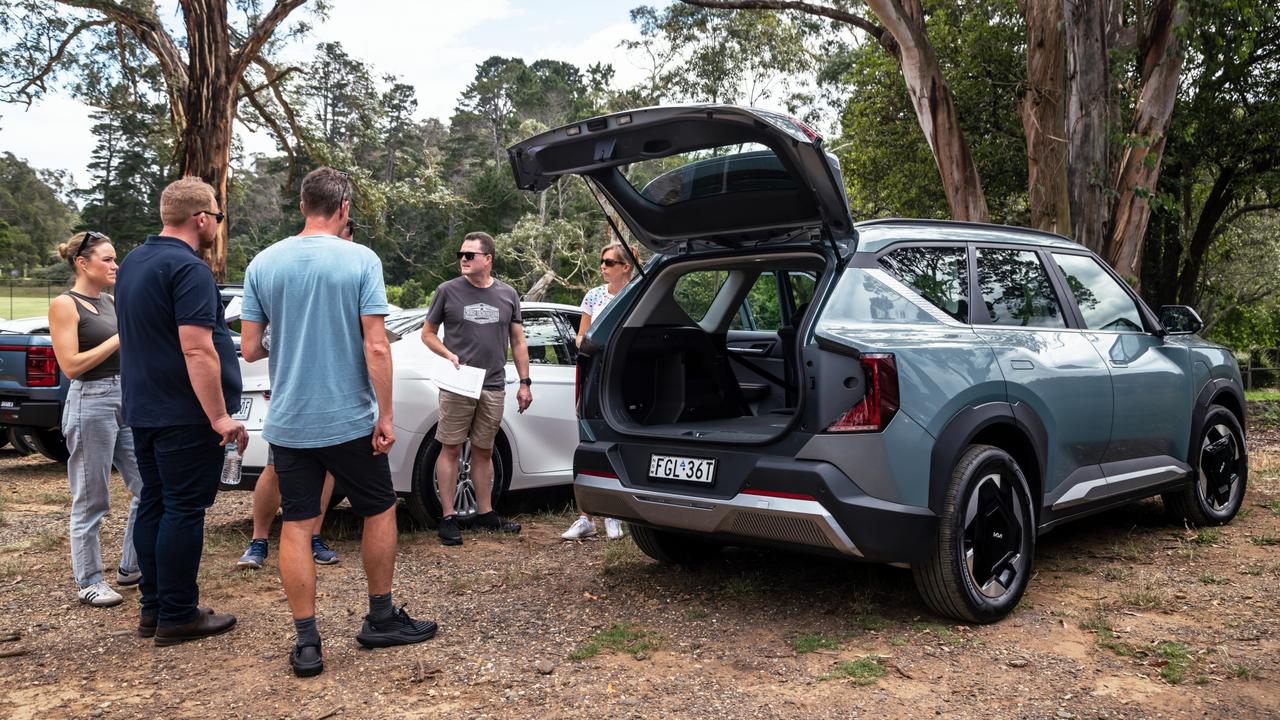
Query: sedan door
[545, 436]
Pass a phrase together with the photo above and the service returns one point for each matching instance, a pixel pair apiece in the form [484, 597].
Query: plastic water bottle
[231, 465]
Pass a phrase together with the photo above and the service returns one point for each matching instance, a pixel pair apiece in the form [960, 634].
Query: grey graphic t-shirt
[477, 323]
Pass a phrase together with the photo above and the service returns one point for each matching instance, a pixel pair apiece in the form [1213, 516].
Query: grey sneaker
[255, 556]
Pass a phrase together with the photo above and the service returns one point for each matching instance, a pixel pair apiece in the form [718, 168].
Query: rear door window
[545, 335]
[939, 274]
[761, 309]
[1016, 289]
[1103, 303]
[695, 291]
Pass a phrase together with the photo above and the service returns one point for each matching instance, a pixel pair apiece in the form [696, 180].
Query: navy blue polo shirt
[160, 285]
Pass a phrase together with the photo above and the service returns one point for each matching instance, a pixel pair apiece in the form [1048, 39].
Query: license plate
[687, 469]
[246, 404]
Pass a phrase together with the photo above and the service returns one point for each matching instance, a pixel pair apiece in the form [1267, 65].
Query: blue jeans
[97, 438]
[180, 469]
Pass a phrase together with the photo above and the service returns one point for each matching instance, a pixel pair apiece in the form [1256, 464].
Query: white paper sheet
[466, 380]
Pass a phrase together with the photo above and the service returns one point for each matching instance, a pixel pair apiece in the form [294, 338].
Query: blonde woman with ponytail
[82, 322]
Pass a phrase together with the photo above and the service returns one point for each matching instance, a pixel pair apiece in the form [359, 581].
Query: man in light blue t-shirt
[330, 411]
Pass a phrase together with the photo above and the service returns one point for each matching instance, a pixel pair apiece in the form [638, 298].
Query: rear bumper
[31, 413]
[839, 517]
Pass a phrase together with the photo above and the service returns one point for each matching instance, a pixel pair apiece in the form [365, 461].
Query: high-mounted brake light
[880, 403]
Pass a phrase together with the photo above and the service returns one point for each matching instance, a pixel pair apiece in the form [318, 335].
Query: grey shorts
[462, 418]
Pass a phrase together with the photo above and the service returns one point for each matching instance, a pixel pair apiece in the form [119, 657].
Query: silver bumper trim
[787, 520]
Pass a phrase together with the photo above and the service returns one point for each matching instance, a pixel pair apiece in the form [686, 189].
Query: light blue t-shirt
[312, 290]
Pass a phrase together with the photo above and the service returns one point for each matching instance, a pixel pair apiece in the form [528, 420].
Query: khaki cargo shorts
[462, 418]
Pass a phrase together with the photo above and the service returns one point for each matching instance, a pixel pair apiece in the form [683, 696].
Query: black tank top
[95, 329]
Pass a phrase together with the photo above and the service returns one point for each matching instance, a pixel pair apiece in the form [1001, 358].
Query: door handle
[747, 350]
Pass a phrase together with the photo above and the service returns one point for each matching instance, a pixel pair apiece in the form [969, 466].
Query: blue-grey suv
[922, 393]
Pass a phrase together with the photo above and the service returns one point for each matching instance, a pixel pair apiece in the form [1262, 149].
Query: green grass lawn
[1261, 395]
[23, 302]
[21, 307]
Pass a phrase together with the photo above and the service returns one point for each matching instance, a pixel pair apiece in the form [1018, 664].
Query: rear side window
[1103, 302]
[862, 297]
[695, 291]
[544, 334]
[939, 274]
[1016, 289]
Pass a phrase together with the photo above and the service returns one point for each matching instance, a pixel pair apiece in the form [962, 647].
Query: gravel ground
[1129, 616]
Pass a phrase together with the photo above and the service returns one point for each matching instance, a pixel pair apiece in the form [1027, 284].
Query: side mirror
[1180, 320]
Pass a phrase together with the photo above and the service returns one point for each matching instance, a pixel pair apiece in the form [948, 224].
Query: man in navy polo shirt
[181, 384]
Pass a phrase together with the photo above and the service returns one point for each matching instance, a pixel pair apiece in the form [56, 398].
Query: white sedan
[535, 448]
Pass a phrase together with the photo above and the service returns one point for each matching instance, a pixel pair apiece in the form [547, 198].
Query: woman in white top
[615, 266]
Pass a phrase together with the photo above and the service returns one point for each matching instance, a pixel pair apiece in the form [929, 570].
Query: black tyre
[48, 443]
[671, 548]
[1221, 463]
[423, 502]
[984, 554]
[18, 442]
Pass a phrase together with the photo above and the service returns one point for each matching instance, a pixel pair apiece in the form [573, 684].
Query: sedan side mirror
[1180, 320]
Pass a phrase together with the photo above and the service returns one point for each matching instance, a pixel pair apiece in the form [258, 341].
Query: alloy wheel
[1219, 467]
[994, 523]
[464, 497]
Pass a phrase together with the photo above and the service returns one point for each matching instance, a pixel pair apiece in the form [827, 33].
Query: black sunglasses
[351, 229]
[469, 255]
[610, 263]
[91, 240]
[217, 216]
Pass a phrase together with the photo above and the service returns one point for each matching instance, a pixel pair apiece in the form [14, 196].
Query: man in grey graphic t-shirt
[480, 315]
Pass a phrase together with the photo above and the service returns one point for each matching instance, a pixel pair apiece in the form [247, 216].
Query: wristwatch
[526, 381]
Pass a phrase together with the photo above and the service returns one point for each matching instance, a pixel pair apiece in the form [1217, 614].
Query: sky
[434, 46]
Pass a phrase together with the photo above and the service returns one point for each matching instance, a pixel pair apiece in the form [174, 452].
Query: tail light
[42, 367]
[878, 406]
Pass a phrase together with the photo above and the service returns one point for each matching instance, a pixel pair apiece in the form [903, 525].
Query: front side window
[1103, 302]
[939, 274]
[1016, 289]
[545, 335]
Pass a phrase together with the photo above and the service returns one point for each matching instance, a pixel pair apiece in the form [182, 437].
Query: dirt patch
[1129, 616]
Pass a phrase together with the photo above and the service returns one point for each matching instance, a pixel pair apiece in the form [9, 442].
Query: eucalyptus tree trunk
[1043, 112]
[934, 106]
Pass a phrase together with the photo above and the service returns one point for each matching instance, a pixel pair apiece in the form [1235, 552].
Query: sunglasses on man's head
[469, 255]
[610, 263]
[217, 216]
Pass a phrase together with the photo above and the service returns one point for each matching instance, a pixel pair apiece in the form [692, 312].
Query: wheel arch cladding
[1221, 391]
[1015, 428]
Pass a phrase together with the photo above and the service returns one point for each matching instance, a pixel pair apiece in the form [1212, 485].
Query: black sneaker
[493, 522]
[306, 660]
[449, 532]
[395, 629]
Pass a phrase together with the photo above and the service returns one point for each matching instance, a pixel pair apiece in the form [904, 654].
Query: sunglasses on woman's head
[610, 263]
[469, 255]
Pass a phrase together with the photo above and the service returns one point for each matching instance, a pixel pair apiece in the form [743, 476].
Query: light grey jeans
[93, 424]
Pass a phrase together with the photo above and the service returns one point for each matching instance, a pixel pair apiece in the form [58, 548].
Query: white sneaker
[100, 595]
[613, 528]
[581, 528]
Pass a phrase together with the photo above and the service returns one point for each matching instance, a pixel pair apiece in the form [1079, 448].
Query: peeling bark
[1139, 167]
[1043, 112]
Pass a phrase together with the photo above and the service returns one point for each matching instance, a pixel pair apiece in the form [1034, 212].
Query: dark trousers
[180, 468]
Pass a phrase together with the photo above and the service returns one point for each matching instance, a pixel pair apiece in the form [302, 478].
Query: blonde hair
[622, 251]
[184, 198]
[80, 245]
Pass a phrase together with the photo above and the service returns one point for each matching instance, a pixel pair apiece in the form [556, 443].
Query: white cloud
[56, 133]
[601, 46]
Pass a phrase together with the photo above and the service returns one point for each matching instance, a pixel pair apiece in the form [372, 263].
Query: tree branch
[149, 30]
[252, 96]
[274, 77]
[37, 80]
[248, 52]
[1226, 222]
[808, 8]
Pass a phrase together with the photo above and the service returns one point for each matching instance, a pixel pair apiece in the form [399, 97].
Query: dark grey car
[923, 393]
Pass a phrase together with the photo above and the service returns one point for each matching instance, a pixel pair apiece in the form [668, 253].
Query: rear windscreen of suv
[705, 173]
